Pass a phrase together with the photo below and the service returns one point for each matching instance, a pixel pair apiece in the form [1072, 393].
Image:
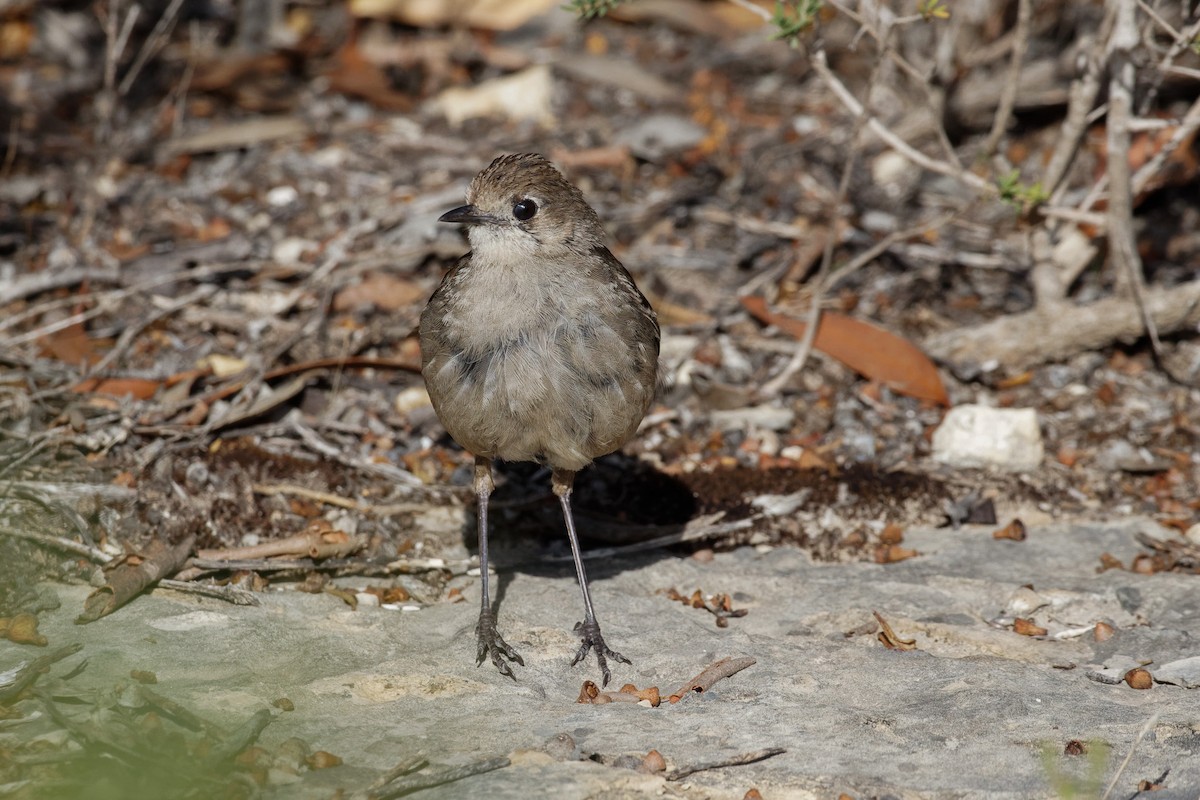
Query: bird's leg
[490, 643]
[589, 629]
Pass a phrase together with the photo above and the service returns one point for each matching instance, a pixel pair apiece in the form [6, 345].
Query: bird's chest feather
[517, 346]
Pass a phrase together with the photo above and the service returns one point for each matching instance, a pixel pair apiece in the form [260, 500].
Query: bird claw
[589, 634]
[492, 644]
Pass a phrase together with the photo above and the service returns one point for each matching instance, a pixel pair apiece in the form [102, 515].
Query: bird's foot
[589, 634]
[491, 644]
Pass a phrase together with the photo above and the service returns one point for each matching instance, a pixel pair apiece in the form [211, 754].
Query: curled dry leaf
[323, 760]
[22, 629]
[1139, 678]
[1014, 531]
[888, 638]
[654, 762]
[1027, 627]
[891, 534]
[588, 692]
[378, 290]
[892, 553]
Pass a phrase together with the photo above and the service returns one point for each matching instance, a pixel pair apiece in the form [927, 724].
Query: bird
[537, 346]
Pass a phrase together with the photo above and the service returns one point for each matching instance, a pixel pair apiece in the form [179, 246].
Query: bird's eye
[525, 209]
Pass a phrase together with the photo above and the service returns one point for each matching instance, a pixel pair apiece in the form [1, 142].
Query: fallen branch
[133, 575]
[318, 541]
[29, 673]
[1058, 331]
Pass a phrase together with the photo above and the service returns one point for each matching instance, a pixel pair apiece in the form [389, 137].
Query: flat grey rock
[967, 713]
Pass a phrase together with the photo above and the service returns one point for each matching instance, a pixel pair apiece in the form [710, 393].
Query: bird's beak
[467, 215]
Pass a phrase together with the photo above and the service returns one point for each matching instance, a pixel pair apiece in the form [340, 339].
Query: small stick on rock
[734, 761]
[403, 768]
[711, 674]
[230, 594]
[425, 781]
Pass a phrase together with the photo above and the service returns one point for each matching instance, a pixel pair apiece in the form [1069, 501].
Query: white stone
[998, 438]
[288, 252]
[282, 196]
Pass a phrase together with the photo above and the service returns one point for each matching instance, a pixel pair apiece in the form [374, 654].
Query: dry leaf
[494, 15]
[1027, 627]
[222, 366]
[1014, 531]
[138, 388]
[70, 345]
[524, 95]
[379, 290]
[869, 350]
[888, 638]
[352, 74]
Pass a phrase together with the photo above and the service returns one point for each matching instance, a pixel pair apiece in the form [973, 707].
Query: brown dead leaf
[137, 388]
[869, 350]
[70, 345]
[888, 638]
[22, 629]
[893, 553]
[16, 37]
[352, 74]
[1014, 531]
[228, 71]
[653, 761]
[1027, 627]
[379, 290]
[891, 534]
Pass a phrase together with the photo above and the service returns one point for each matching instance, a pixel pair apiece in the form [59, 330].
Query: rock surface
[968, 713]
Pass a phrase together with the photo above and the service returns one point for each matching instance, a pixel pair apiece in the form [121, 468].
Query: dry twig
[711, 674]
[733, 761]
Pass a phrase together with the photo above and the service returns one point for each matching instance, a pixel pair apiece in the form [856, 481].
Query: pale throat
[512, 289]
[501, 245]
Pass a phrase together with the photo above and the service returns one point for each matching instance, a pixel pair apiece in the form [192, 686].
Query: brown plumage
[537, 346]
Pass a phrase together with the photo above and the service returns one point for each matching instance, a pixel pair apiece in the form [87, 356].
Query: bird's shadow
[617, 501]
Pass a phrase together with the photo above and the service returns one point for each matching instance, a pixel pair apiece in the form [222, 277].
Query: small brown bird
[537, 346]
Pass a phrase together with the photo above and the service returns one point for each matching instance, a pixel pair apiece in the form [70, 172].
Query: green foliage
[1076, 787]
[1021, 195]
[933, 9]
[589, 9]
[794, 18]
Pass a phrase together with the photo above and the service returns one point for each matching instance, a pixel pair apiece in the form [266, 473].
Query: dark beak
[467, 215]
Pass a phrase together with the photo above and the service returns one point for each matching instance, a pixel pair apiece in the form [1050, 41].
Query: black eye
[525, 209]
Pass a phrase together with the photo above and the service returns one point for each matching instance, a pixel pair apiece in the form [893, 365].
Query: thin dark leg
[589, 629]
[490, 643]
